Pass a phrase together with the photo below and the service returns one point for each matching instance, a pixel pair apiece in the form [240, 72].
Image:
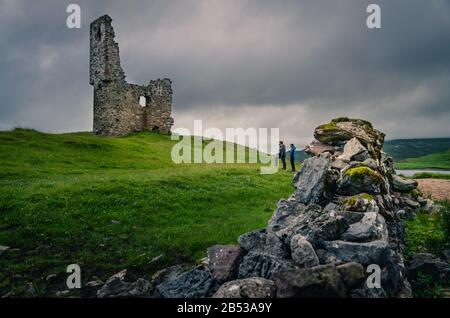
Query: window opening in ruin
[98, 34]
[143, 101]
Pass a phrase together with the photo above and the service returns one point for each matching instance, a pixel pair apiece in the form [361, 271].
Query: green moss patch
[351, 201]
[358, 174]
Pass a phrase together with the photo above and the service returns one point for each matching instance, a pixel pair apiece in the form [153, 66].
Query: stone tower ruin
[119, 107]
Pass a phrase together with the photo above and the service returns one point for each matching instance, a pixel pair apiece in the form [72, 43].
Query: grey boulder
[310, 180]
[403, 185]
[259, 264]
[374, 252]
[303, 253]
[371, 227]
[323, 281]
[196, 283]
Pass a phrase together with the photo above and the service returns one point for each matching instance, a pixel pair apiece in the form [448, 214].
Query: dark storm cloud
[288, 64]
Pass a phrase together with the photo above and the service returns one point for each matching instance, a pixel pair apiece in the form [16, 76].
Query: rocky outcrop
[344, 216]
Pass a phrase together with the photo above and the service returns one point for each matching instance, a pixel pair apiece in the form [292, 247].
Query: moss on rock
[353, 200]
[359, 173]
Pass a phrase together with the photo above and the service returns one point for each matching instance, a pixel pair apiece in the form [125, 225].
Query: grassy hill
[113, 203]
[439, 160]
[401, 149]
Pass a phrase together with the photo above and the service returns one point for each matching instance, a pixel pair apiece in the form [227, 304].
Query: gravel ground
[439, 189]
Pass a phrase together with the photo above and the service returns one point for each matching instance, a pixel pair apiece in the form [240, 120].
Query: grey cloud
[306, 60]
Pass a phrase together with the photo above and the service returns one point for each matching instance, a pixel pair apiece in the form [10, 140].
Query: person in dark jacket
[282, 154]
[292, 156]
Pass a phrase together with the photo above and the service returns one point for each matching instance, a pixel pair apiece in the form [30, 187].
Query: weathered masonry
[120, 107]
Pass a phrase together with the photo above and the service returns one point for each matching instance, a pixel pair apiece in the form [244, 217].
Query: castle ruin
[119, 107]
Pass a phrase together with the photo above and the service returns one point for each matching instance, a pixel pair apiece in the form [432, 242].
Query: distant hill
[401, 149]
[437, 160]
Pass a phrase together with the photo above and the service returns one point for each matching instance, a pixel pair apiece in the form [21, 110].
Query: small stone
[156, 258]
[3, 249]
[253, 287]
[16, 276]
[303, 253]
[316, 148]
[430, 207]
[50, 277]
[263, 265]
[115, 222]
[401, 213]
[94, 283]
[403, 185]
[196, 283]
[339, 164]
[253, 240]
[411, 203]
[320, 281]
[374, 252]
[62, 293]
[116, 286]
[30, 290]
[352, 148]
[352, 273]
[223, 260]
[371, 163]
[371, 227]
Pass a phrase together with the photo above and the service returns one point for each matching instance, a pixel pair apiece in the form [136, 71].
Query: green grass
[428, 175]
[428, 233]
[439, 160]
[61, 195]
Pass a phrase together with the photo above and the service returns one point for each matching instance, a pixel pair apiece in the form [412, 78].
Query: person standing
[282, 154]
[292, 156]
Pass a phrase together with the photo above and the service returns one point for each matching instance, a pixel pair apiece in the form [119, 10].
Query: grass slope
[439, 160]
[114, 203]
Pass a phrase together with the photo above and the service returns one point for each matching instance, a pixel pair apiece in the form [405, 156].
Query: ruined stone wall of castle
[117, 108]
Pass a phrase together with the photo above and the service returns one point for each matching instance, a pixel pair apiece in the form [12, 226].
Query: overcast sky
[236, 63]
